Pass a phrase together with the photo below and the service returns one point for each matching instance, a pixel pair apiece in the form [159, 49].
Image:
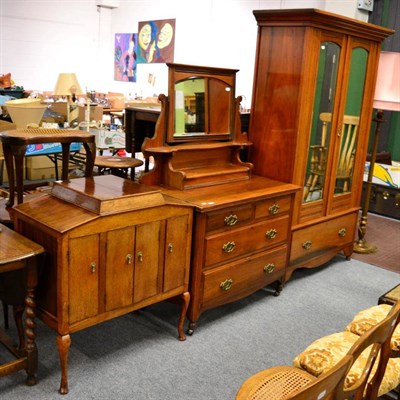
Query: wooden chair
[287, 382]
[348, 133]
[363, 350]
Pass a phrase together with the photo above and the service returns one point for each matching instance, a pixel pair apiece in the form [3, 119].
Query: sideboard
[113, 246]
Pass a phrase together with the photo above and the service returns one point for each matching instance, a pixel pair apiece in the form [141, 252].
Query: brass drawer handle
[271, 234]
[170, 248]
[128, 259]
[385, 195]
[269, 268]
[226, 284]
[229, 247]
[140, 256]
[93, 267]
[307, 244]
[342, 232]
[231, 220]
[274, 209]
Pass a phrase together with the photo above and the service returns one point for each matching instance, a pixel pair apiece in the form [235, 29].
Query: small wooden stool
[118, 165]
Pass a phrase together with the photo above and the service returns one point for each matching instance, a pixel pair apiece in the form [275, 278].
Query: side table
[390, 297]
[16, 141]
[18, 252]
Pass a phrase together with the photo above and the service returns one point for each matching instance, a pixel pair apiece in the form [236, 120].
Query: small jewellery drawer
[244, 276]
[271, 207]
[323, 236]
[235, 243]
[229, 218]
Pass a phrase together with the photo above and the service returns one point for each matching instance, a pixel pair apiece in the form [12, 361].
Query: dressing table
[242, 221]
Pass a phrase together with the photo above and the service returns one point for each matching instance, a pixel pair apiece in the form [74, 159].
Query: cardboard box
[106, 139]
[35, 174]
[40, 162]
[388, 175]
[96, 113]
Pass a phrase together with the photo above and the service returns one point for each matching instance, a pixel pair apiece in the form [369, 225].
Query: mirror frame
[181, 72]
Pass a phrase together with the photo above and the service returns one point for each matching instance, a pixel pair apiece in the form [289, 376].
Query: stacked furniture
[312, 64]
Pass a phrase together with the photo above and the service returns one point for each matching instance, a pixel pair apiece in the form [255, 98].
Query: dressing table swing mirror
[242, 221]
[199, 117]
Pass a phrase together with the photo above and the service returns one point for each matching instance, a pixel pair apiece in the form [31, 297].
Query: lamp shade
[25, 111]
[387, 91]
[67, 85]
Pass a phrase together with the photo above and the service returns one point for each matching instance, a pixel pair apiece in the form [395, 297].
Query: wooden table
[390, 297]
[16, 141]
[18, 252]
[120, 165]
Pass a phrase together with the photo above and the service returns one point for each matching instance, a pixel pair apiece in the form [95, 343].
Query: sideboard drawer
[330, 234]
[235, 243]
[271, 207]
[237, 279]
[229, 218]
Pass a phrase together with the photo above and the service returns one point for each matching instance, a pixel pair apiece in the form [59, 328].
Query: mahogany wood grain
[285, 82]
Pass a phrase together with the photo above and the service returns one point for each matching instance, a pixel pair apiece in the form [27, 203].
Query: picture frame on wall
[156, 41]
[125, 57]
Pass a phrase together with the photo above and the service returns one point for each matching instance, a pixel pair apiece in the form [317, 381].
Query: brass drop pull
[229, 247]
[271, 234]
[140, 256]
[274, 209]
[231, 220]
[385, 194]
[269, 268]
[128, 259]
[342, 232]
[93, 267]
[170, 248]
[307, 244]
[226, 284]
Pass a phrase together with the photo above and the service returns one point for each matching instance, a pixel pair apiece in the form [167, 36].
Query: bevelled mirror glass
[324, 100]
[348, 131]
[201, 103]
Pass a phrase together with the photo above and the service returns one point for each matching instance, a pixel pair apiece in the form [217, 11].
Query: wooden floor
[384, 233]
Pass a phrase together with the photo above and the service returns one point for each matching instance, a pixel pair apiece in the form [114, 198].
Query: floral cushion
[325, 352]
[368, 318]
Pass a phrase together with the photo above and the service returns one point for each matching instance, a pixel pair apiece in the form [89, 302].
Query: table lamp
[67, 85]
[387, 97]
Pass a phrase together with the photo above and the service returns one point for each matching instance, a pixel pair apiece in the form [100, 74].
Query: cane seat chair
[348, 138]
[286, 382]
[324, 355]
[371, 351]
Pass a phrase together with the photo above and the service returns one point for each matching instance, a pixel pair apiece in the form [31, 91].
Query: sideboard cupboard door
[175, 275]
[148, 269]
[119, 267]
[83, 278]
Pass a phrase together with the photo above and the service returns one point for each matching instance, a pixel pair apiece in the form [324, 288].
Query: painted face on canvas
[145, 36]
[165, 36]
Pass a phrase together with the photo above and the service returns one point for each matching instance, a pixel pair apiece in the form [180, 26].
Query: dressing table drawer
[230, 218]
[226, 246]
[233, 281]
[272, 207]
